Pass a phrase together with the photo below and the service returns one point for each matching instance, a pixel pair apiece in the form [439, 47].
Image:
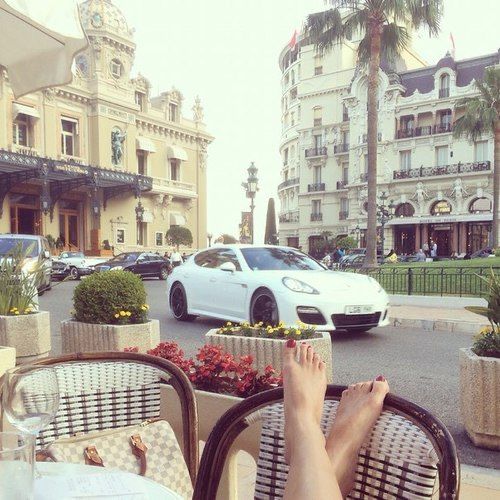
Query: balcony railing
[166, 184]
[315, 217]
[318, 186]
[364, 138]
[405, 133]
[444, 93]
[341, 148]
[288, 182]
[343, 215]
[289, 217]
[456, 168]
[322, 151]
[342, 184]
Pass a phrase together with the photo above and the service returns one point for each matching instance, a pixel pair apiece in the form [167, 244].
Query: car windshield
[10, 245]
[68, 255]
[278, 259]
[125, 257]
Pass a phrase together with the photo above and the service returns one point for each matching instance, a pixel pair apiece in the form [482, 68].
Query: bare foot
[359, 409]
[304, 383]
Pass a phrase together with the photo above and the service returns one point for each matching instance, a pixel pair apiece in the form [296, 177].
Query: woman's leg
[311, 472]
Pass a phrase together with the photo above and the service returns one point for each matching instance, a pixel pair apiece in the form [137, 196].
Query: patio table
[90, 482]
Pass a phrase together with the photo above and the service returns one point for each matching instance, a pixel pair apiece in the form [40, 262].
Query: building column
[454, 237]
[463, 237]
[418, 243]
[425, 234]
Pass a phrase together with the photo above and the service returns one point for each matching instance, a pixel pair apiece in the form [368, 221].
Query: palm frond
[324, 29]
[396, 11]
[395, 39]
[426, 14]
[364, 50]
[477, 119]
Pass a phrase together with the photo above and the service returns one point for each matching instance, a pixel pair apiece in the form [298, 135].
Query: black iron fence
[443, 281]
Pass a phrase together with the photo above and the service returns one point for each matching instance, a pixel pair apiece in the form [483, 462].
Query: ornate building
[441, 187]
[101, 161]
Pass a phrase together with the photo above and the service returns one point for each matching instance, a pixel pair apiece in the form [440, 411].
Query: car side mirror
[46, 254]
[228, 267]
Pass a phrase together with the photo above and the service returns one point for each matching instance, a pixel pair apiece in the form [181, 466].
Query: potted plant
[22, 326]
[265, 343]
[110, 313]
[480, 373]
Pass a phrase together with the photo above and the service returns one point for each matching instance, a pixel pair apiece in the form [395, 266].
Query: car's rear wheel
[163, 274]
[264, 308]
[178, 303]
[73, 272]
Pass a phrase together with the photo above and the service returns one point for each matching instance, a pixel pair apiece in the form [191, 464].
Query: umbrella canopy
[38, 41]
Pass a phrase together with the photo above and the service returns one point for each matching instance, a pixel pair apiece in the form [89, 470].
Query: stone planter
[7, 358]
[269, 351]
[87, 337]
[479, 397]
[29, 334]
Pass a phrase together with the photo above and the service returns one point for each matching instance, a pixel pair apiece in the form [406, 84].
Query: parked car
[60, 270]
[483, 253]
[145, 264]
[39, 253]
[271, 284]
[79, 264]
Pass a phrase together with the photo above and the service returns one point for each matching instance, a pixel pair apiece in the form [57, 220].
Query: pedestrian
[425, 248]
[434, 249]
[391, 257]
[327, 261]
[176, 258]
[184, 256]
[420, 256]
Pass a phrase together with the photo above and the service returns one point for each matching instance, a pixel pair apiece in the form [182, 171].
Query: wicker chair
[106, 390]
[405, 455]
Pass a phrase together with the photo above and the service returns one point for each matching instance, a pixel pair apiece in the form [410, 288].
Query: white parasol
[38, 41]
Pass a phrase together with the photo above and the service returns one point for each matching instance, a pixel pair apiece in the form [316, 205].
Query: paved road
[422, 366]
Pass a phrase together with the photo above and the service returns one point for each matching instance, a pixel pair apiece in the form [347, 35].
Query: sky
[226, 51]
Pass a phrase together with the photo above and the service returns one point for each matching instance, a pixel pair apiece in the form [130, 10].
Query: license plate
[358, 309]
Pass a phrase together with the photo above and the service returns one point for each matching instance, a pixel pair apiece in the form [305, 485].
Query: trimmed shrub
[112, 298]
[497, 252]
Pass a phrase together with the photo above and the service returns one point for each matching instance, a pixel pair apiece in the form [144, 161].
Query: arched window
[444, 85]
[404, 210]
[292, 77]
[480, 205]
[441, 207]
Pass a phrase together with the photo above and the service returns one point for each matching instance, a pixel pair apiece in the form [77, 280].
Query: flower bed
[280, 332]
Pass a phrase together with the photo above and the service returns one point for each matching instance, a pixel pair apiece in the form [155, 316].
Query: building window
[445, 117]
[317, 174]
[316, 207]
[318, 116]
[159, 239]
[444, 85]
[120, 236]
[404, 210]
[318, 141]
[345, 113]
[173, 111]
[21, 130]
[405, 160]
[116, 68]
[345, 137]
[140, 100]
[142, 160]
[441, 156]
[175, 169]
[69, 136]
[285, 156]
[345, 173]
[407, 122]
[481, 151]
[318, 64]
[441, 207]
[365, 163]
[141, 233]
[480, 205]
[344, 205]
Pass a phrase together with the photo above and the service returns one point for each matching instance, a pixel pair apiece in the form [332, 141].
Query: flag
[453, 45]
[293, 41]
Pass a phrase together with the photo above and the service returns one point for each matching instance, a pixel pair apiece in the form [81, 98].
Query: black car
[145, 264]
[60, 270]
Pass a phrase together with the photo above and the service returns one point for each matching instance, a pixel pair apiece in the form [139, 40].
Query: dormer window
[116, 68]
[444, 86]
[173, 111]
[140, 100]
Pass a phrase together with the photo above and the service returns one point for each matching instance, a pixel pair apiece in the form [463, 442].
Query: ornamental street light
[357, 232]
[210, 236]
[251, 189]
[384, 214]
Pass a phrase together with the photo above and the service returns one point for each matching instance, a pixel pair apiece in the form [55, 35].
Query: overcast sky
[226, 51]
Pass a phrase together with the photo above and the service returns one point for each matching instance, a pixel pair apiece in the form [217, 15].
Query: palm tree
[385, 26]
[482, 116]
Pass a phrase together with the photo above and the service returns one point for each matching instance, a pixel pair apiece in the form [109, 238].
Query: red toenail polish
[290, 343]
[380, 378]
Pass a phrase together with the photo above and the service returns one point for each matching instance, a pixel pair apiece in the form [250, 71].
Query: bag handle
[139, 449]
[92, 456]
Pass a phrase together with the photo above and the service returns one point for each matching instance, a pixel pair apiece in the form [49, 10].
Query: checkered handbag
[149, 449]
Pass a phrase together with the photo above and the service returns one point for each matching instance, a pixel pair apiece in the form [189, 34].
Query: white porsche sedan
[272, 284]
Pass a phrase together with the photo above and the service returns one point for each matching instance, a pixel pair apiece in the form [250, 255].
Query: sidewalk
[436, 313]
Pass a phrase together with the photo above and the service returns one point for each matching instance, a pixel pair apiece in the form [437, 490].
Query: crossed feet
[304, 382]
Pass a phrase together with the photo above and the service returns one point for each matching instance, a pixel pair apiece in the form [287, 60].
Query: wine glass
[30, 398]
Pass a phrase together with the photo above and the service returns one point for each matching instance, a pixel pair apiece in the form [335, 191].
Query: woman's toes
[316, 361]
[289, 350]
[365, 387]
[303, 353]
[380, 387]
[310, 354]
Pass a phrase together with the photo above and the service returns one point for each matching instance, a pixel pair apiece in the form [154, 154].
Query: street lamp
[384, 214]
[210, 236]
[357, 232]
[251, 190]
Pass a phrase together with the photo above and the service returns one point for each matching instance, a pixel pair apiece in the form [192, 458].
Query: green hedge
[111, 297]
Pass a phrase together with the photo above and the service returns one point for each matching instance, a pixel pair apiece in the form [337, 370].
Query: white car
[271, 284]
[79, 264]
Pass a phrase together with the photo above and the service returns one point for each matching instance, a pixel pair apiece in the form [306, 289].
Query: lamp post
[384, 214]
[210, 236]
[357, 232]
[251, 190]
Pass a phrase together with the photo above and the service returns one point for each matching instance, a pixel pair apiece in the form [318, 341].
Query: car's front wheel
[264, 308]
[178, 303]
[73, 272]
[163, 274]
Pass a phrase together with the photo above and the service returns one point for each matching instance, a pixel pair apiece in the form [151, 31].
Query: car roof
[22, 236]
[245, 245]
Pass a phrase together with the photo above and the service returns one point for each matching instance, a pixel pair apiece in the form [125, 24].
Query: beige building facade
[441, 187]
[100, 162]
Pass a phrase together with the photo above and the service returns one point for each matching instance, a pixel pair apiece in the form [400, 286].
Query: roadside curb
[438, 325]
[480, 476]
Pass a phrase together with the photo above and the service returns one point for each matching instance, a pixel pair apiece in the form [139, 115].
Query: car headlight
[377, 285]
[116, 268]
[298, 286]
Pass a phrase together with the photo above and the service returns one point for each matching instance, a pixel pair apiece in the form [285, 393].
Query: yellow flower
[117, 315]
[287, 332]
[17, 312]
[299, 332]
[128, 313]
[122, 313]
